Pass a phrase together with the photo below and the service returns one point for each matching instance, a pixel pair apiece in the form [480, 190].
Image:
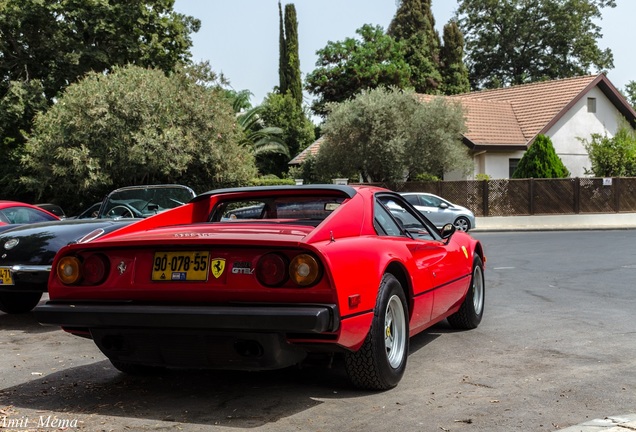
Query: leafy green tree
[18, 106]
[47, 45]
[388, 135]
[630, 93]
[454, 71]
[414, 24]
[613, 156]
[517, 41]
[541, 161]
[298, 131]
[347, 67]
[58, 41]
[135, 126]
[289, 69]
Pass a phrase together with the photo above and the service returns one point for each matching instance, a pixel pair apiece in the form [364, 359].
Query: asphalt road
[556, 348]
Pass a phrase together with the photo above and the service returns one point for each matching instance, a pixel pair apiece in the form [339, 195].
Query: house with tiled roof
[503, 123]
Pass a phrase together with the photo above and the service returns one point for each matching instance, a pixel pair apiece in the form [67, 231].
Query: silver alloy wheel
[462, 224]
[395, 331]
[478, 290]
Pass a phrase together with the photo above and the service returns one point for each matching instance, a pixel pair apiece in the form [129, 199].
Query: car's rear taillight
[271, 270]
[92, 270]
[95, 269]
[274, 270]
[304, 270]
[68, 270]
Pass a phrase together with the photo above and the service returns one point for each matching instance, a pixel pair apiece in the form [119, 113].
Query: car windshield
[306, 210]
[141, 202]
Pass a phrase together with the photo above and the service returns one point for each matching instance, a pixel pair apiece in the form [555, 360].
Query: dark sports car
[27, 251]
[263, 277]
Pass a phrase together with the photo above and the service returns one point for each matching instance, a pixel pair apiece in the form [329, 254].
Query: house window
[512, 166]
[591, 105]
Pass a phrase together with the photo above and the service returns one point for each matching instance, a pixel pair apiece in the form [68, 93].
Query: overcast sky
[240, 37]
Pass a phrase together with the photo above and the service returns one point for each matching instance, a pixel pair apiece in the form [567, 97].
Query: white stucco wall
[497, 164]
[579, 124]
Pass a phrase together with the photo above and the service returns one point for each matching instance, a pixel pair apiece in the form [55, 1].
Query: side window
[394, 217]
[433, 201]
[413, 199]
[387, 225]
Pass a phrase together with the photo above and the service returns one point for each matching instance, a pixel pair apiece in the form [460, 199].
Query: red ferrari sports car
[261, 277]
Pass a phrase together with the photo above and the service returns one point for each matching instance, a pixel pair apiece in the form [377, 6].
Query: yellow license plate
[180, 266]
[5, 277]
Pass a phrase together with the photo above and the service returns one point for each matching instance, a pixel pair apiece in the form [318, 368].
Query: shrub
[541, 161]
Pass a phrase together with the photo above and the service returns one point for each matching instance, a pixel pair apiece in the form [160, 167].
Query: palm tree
[262, 139]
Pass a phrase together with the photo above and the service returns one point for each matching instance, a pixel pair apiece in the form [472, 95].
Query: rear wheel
[380, 363]
[472, 309]
[18, 302]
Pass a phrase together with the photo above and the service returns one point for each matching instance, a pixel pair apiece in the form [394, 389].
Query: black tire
[137, 369]
[19, 302]
[471, 311]
[380, 363]
[462, 224]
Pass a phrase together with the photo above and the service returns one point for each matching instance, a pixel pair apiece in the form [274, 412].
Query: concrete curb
[622, 423]
[556, 222]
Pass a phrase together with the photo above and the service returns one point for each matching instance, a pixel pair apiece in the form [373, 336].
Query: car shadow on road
[225, 398]
[25, 322]
[424, 338]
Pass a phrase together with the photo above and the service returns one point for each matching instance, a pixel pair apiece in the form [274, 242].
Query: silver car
[440, 212]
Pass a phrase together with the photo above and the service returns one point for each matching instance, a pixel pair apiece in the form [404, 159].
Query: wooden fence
[513, 197]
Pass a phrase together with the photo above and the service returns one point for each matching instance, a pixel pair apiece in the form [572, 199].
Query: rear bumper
[244, 337]
[264, 318]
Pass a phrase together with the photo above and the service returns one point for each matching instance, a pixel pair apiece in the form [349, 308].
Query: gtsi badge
[218, 265]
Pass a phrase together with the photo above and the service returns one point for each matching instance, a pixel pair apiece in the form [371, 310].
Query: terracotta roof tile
[312, 150]
[492, 122]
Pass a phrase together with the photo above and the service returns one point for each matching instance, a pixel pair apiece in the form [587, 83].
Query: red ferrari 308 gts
[261, 277]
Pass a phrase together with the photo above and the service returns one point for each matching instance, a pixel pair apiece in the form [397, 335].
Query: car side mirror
[443, 205]
[447, 231]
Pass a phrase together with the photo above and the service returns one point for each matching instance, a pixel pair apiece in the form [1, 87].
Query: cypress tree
[293, 60]
[541, 161]
[289, 60]
[454, 71]
[282, 54]
[414, 23]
